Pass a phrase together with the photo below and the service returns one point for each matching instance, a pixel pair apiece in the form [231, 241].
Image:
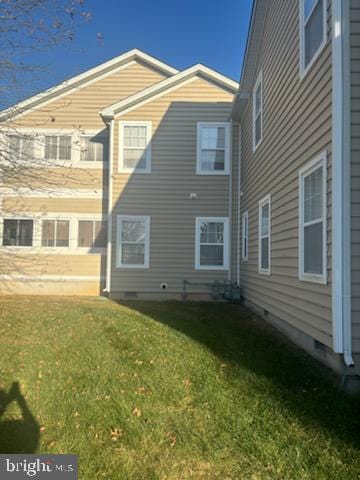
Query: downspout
[238, 209]
[109, 215]
[230, 201]
[341, 201]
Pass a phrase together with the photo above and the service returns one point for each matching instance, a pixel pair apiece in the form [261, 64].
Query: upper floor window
[135, 147]
[18, 232]
[264, 235]
[245, 235]
[312, 210]
[257, 112]
[55, 233]
[133, 238]
[58, 147]
[312, 31]
[93, 148]
[21, 147]
[211, 249]
[213, 148]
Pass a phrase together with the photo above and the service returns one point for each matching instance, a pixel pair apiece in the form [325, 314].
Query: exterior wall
[355, 167]
[297, 128]
[164, 194]
[34, 192]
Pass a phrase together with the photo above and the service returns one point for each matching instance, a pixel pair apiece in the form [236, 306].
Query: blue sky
[181, 33]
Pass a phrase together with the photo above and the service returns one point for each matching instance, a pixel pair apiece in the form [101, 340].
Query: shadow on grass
[303, 387]
[18, 435]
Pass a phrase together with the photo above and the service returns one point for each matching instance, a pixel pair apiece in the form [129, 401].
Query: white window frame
[58, 135]
[92, 164]
[122, 125]
[303, 22]
[146, 220]
[76, 234]
[55, 231]
[18, 218]
[318, 162]
[245, 236]
[259, 82]
[226, 126]
[264, 201]
[199, 221]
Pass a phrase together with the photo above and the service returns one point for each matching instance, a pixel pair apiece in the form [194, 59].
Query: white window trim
[225, 221]
[258, 82]
[55, 232]
[146, 221]
[122, 125]
[37, 247]
[226, 126]
[90, 164]
[318, 162]
[264, 201]
[245, 218]
[76, 234]
[304, 70]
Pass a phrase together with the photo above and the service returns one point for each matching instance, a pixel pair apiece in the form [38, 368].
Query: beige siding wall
[76, 111]
[297, 128]
[355, 167]
[164, 194]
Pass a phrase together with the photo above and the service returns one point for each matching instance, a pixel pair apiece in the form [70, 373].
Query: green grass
[169, 391]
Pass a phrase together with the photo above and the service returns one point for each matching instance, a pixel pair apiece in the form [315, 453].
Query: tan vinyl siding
[297, 128]
[164, 194]
[355, 167]
[54, 205]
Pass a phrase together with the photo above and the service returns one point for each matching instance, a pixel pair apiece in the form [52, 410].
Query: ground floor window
[312, 213]
[264, 235]
[91, 233]
[212, 249]
[133, 239]
[55, 233]
[18, 232]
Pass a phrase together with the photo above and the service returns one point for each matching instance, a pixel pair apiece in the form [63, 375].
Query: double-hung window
[21, 147]
[133, 239]
[91, 233]
[58, 147]
[313, 33]
[264, 235]
[135, 147]
[257, 112]
[312, 213]
[213, 148]
[93, 148]
[212, 248]
[245, 235]
[18, 232]
[55, 233]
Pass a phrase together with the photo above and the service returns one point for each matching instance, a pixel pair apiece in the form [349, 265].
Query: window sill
[312, 278]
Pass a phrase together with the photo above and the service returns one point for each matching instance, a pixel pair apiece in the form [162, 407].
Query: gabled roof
[253, 45]
[79, 80]
[162, 88]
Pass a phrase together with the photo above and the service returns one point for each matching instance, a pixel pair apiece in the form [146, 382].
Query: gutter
[341, 184]
[109, 215]
[239, 212]
[230, 193]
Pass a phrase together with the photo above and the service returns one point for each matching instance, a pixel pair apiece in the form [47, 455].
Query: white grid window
[133, 238]
[18, 232]
[135, 147]
[313, 33]
[91, 233]
[55, 233]
[213, 148]
[312, 212]
[264, 235]
[93, 148]
[212, 249]
[58, 147]
[245, 235]
[257, 112]
[21, 147]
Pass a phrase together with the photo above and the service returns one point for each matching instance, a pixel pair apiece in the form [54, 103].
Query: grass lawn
[168, 391]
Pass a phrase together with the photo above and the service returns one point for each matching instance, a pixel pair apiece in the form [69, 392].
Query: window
[92, 234]
[257, 112]
[312, 31]
[93, 148]
[245, 235]
[55, 233]
[21, 147]
[18, 233]
[58, 147]
[312, 213]
[213, 148]
[135, 147]
[264, 235]
[212, 249]
[133, 237]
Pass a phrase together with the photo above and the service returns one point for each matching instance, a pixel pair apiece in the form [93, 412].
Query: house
[141, 181]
